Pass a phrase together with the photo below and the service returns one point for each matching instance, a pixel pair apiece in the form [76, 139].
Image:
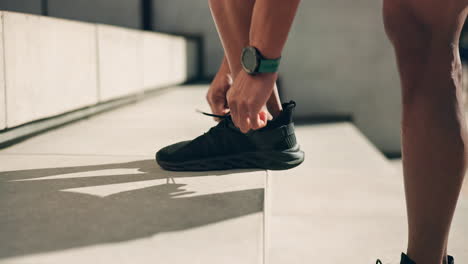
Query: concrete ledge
[158, 60]
[50, 66]
[54, 66]
[120, 61]
[15, 135]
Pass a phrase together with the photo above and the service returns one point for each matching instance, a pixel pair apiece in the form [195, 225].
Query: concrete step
[90, 192]
[344, 204]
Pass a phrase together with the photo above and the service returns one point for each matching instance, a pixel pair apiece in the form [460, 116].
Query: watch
[253, 62]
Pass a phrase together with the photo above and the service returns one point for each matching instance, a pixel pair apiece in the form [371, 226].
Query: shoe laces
[211, 136]
[213, 115]
[378, 261]
[223, 118]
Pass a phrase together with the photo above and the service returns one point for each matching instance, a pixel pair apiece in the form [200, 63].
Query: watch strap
[267, 66]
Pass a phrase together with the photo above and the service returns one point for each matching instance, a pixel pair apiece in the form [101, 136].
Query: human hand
[216, 95]
[247, 99]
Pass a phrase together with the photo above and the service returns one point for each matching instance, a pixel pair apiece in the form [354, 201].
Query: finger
[218, 107]
[263, 118]
[247, 119]
[265, 114]
[234, 114]
[259, 120]
[220, 110]
[244, 124]
[255, 122]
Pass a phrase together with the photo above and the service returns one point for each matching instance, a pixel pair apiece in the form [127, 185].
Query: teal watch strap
[268, 65]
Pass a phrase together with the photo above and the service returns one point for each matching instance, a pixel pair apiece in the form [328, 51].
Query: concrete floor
[90, 192]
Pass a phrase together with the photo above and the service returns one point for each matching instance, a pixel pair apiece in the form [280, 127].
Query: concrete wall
[25, 6]
[190, 17]
[54, 65]
[120, 51]
[337, 60]
[2, 79]
[157, 62]
[125, 13]
[50, 66]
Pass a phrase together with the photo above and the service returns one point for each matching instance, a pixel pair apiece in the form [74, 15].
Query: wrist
[267, 52]
[254, 62]
[224, 67]
[267, 77]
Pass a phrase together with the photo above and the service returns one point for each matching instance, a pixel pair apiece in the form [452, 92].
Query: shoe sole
[274, 160]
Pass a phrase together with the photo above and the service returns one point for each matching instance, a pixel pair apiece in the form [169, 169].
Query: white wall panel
[50, 66]
[2, 79]
[158, 60]
[120, 61]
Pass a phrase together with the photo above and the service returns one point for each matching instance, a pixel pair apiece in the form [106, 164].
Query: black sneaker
[224, 146]
[406, 260]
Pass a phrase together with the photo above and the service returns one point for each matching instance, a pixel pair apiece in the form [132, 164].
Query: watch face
[249, 59]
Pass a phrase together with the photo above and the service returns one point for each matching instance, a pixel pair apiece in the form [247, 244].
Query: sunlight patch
[97, 173]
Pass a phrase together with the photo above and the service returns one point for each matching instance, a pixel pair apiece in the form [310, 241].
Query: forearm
[232, 19]
[271, 22]
[224, 67]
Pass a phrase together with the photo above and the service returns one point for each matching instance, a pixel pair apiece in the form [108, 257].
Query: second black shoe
[225, 147]
[406, 260]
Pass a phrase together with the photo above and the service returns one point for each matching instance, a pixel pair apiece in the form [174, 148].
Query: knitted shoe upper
[226, 139]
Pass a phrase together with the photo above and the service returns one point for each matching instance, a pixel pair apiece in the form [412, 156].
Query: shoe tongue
[285, 117]
[290, 105]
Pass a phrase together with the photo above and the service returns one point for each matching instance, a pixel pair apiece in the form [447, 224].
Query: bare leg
[425, 35]
[233, 19]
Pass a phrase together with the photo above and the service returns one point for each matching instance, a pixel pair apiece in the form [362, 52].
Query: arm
[216, 95]
[271, 22]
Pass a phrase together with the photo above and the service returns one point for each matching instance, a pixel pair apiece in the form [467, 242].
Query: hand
[247, 99]
[216, 95]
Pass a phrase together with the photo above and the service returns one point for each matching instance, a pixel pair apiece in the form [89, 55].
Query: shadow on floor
[36, 216]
